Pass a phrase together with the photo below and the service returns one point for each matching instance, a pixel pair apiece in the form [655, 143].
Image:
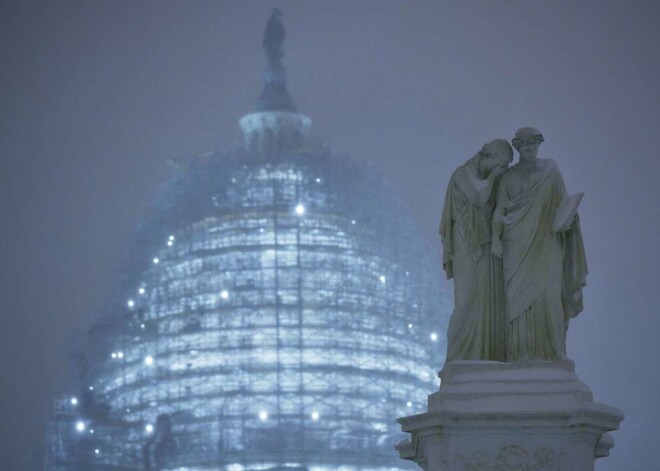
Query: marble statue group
[512, 243]
[509, 397]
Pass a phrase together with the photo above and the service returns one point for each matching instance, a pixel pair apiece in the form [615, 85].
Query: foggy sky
[97, 96]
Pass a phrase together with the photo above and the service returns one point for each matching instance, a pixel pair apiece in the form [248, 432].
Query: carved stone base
[492, 416]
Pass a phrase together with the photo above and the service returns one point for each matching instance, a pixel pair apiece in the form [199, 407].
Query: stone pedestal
[492, 416]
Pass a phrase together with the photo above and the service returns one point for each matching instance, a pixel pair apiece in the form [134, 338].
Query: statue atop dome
[274, 127]
[275, 96]
[274, 37]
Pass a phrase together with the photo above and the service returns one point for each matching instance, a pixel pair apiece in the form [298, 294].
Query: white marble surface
[495, 416]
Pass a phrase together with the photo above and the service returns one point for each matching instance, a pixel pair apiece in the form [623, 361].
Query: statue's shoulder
[460, 176]
[550, 168]
[548, 164]
[510, 173]
[459, 172]
[460, 184]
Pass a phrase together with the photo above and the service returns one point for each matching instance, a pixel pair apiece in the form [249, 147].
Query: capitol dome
[280, 311]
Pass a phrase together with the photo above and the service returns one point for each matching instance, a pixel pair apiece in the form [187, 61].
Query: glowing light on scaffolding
[263, 294]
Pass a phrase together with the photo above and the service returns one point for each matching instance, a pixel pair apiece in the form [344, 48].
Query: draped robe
[476, 326]
[544, 272]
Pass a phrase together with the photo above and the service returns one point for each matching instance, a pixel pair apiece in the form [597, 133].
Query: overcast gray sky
[97, 96]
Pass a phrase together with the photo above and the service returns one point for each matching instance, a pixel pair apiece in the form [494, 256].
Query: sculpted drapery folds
[476, 328]
[544, 269]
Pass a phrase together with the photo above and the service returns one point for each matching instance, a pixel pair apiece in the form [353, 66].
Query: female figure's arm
[498, 215]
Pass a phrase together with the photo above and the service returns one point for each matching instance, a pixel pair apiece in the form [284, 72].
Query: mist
[98, 96]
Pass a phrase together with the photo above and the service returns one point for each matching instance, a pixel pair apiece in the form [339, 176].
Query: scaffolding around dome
[275, 314]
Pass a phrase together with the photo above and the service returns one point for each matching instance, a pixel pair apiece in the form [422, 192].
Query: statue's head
[527, 140]
[496, 153]
[502, 150]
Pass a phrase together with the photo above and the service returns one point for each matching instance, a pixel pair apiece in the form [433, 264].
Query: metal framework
[278, 313]
[280, 322]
